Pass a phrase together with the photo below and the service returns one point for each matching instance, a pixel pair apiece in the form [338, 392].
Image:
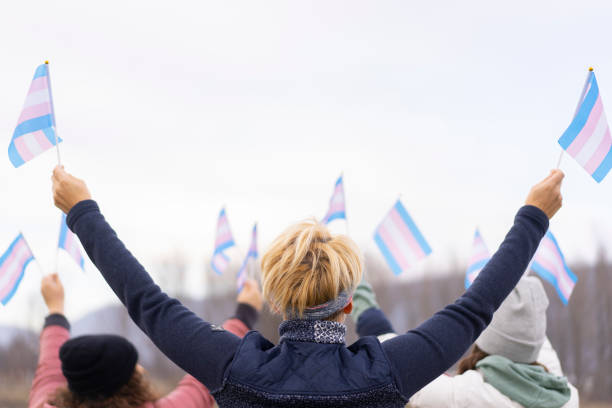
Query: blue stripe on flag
[212, 262]
[32, 125]
[546, 275]
[582, 115]
[224, 246]
[604, 168]
[41, 71]
[336, 216]
[63, 233]
[339, 181]
[50, 134]
[467, 282]
[413, 228]
[387, 254]
[569, 272]
[14, 155]
[477, 265]
[9, 295]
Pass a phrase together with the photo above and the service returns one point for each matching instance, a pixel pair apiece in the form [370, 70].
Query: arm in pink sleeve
[49, 377]
[190, 393]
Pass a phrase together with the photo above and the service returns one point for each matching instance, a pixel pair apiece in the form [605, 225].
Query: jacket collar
[315, 331]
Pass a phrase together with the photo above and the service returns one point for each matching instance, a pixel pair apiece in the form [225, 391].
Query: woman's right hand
[546, 195]
[53, 293]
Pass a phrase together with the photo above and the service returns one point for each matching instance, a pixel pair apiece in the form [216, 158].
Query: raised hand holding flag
[35, 131]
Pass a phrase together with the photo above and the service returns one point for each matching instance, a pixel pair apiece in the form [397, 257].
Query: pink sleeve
[48, 377]
[190, 393]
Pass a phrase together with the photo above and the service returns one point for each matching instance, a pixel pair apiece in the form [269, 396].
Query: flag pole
[40, 269]
[59, 160]
[584, 88]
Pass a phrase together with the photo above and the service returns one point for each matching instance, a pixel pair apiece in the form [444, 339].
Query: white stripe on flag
[36, 98]
[32, 144]
[594, 141]
[9, 270]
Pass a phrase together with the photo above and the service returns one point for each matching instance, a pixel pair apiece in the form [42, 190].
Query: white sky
[171, 110]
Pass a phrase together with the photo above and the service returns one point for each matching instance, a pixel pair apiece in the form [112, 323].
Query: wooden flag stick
[59, 159]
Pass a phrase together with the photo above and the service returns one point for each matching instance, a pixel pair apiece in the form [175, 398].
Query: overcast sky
[170, 110]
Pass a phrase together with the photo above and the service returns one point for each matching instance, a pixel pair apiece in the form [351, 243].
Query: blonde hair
[306, 266]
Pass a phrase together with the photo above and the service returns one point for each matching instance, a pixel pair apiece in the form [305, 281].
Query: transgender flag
[550, 264]
[480, 257]
[224, 240]
[13, 264]
[587, 139]
[399, 240]
[336, 204]
[68, 242]
[252, 254]
[35, 131]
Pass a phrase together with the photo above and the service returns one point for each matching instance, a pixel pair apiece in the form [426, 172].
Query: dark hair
[469, 362]
[135, 393]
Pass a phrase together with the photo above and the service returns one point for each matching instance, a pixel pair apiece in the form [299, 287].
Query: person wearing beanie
[512, 363]
[102, 370]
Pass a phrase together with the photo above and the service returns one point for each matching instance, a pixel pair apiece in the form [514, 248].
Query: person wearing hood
[102, 371]
[511, 365]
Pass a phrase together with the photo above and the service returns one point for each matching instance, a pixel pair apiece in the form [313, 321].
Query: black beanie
[98, 366]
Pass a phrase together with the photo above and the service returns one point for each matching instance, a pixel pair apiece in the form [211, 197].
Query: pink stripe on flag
[588, 129]
[34, 111]
[403, 228]
[600, 153]
[42, 140]
[401, 259]
[23, 149]
[38, 84]
[223, 238]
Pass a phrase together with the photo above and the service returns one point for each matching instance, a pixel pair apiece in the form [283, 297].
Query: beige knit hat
[518, 328]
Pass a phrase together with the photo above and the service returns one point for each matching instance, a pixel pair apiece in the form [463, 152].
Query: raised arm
[202, 349]
[424, 353]
[190, 393]
[49, 377]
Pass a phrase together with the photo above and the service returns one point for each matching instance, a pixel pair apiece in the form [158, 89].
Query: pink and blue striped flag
[587, 139]
[13, 264]
[69, 242]
[336, 204]
[478, 260]
[223, 241]
[251, 255]
[399, 240]
[35, 131]
[549, 263]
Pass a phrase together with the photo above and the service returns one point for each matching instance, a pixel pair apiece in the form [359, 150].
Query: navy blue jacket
[311, 366]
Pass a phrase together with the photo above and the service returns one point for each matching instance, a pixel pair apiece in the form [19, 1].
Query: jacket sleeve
[424, 353]
[174, 329]
[190, 393]
[48, 376]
